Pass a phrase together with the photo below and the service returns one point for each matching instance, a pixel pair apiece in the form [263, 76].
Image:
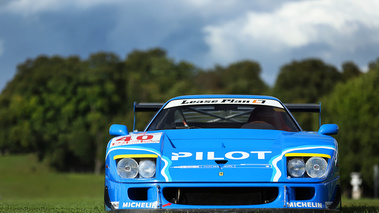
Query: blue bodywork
[205, 168]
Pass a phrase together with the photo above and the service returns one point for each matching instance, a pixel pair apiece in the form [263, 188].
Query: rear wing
[147, 107]
[304, 107]
[154, 107]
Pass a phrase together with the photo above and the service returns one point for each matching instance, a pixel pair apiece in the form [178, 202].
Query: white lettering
[244, 155]
[176, 156]
[211, 156]
[305, 205]
[199, 155]
[261, 154]
[234, 155]
[147, 205]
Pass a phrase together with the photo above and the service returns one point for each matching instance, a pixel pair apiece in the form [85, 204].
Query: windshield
[224, 116]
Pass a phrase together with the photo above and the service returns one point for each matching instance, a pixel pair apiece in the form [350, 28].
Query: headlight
[146, 168]
[127, 168]
[316, 167]
[296, 167]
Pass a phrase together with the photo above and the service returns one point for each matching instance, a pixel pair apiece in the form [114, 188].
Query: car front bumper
[217, 196]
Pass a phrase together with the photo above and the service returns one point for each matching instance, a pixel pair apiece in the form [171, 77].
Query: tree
[99, 100]
[350, 70]
[354, 107]
[238, 78]
[243, 78]
[29, 110]
[152, 76]
[305, 81]
[60, 109]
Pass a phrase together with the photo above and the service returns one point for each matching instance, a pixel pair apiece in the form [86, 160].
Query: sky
[203, 32]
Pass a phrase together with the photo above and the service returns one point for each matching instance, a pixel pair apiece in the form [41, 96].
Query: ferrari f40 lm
[222, 152]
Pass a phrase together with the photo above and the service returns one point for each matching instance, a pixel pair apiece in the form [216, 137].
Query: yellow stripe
[135, 156]
[307, 155]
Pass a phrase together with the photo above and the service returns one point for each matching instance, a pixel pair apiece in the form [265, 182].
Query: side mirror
[118, 130]
[328, 129]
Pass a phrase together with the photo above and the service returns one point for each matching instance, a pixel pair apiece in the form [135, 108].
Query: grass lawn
[362, 205]
[33, 205]
[29, 186]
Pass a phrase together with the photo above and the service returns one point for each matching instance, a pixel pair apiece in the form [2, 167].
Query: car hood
[230, 155]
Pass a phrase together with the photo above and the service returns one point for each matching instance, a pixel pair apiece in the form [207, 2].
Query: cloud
[337, 25]
[203, 32]
[31, 7]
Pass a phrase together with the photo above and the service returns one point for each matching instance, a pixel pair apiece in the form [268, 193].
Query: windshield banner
[212, 101]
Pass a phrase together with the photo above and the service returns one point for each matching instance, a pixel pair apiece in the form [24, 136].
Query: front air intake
[138, 194]
[220, 195]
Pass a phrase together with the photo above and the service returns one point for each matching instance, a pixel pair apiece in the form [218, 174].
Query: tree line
[61, 108]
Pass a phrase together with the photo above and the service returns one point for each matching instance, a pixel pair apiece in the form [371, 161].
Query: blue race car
[222, 152]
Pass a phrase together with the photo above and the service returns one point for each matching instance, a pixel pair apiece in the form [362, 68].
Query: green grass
[52, 205]
[362, 205]
[29, 186]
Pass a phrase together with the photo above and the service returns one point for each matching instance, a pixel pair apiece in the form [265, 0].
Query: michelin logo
[142, 205]
[305, 205]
